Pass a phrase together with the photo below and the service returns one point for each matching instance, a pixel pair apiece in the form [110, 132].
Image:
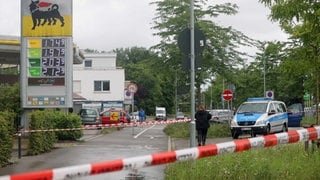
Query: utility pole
[211, 96]
[264, 76]
[192, 76]
[176, 93]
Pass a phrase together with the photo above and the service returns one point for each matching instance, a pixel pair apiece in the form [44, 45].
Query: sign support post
[192, 58]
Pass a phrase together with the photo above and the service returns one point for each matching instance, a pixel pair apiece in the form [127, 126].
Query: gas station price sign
[46, 57]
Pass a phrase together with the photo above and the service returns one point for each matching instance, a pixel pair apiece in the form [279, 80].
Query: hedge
[6, 136]
[68, 121]
[40, 142]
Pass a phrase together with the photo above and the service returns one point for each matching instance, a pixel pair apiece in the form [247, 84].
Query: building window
[88, 63]
[101, 85]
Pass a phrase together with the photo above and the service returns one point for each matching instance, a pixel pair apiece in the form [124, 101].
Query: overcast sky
[109, 24]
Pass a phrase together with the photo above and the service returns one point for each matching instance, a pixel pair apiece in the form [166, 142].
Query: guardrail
[292, 136]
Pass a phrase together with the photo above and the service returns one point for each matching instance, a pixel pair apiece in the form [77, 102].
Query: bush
[40, 142]
[68, 121]
[10, 118]
[6, 141]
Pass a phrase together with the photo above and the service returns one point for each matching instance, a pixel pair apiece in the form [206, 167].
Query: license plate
[245, 129]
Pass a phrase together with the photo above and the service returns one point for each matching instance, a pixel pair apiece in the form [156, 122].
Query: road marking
[93, 137]
[143, 132]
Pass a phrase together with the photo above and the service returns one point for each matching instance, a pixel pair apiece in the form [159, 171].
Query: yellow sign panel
[59, 28]
[114, 116]
[34, 43]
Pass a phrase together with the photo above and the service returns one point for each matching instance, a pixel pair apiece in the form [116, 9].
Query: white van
[161, 113]
[259, 116]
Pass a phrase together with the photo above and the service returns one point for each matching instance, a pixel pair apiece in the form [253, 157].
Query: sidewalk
[25, 142]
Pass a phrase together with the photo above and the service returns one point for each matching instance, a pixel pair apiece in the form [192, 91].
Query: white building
[98, 80]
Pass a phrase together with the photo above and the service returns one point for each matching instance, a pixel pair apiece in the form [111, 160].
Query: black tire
[253, 134]
[268, 130]
[284, 128]
[235, 134]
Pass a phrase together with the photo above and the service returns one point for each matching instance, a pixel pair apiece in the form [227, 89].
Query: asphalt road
[96, 147]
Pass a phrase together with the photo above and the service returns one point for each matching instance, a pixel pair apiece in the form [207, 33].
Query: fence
[293, 136]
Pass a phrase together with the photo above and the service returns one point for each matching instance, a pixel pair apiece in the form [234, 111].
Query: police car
[259, 116]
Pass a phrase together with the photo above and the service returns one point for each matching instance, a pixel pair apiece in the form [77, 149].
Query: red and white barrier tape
[108, 126]
[292, 136]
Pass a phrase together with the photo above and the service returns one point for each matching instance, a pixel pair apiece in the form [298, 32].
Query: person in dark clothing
[202, 124]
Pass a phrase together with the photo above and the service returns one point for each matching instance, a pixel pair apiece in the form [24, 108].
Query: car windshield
[253, 108]
[180, 114]
[160, 111]
[88, 112]
[223, 113]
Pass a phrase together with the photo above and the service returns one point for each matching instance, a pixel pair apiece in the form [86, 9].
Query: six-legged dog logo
[44, 12]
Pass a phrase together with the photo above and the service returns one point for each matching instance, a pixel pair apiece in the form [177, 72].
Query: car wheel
[268, 130]
[284, 128]
[253, 134]
[235, 134]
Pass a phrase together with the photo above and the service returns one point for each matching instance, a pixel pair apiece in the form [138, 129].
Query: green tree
[155, 86]
[220, 55]
[301, 19]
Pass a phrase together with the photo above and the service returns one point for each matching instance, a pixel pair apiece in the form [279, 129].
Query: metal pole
[264, 76]
[211, 97]
[192, 124]
[176, 94]
[132, 110]
[19, 145]
[222, 90]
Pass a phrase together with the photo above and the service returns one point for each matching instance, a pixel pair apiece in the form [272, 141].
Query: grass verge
[182, 130]
[281, 162]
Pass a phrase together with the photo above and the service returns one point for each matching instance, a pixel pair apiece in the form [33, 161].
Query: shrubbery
[6, 140]
[68, 121]
[40, 142]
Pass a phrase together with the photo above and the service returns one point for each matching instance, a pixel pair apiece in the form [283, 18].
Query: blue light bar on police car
[259, 99]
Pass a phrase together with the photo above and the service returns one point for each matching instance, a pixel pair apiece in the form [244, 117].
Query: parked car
[180, 115]
[114, 117]
[259, 116]
[89, 116]
[295, 115]
[134, 116]
[221, 115]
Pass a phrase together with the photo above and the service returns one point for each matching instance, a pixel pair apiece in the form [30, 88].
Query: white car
[220, 115]
[180, 116]
[134, 116]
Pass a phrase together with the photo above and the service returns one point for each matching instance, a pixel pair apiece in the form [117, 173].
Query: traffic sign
[227, 95]
[270, 94]
[133, 88]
